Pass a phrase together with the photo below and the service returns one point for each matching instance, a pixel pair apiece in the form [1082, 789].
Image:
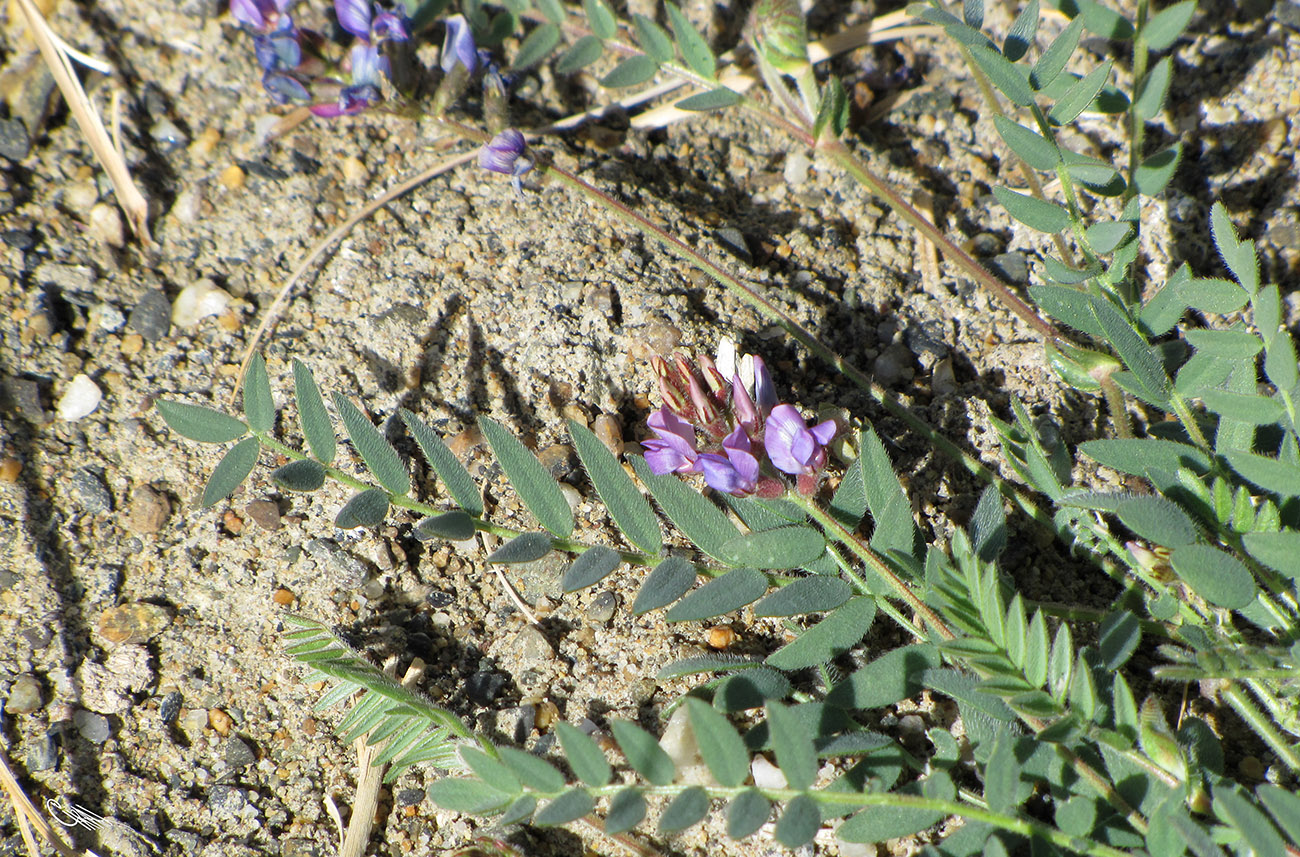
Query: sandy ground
[460, 299]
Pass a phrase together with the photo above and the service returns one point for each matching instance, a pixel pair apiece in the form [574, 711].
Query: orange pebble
[721, 636]
[220, 721]
[282, 596]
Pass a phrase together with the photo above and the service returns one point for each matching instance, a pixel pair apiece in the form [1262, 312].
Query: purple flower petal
[458, 46]
[284, 87]
[790, 446]
[354, 16]
[824, 432]
[742, 405]
[502, 154]
[737, 473]
[764, 392]
[367, 65]
[248, 13]
[674, 449]
[720, 474]
[389, 25]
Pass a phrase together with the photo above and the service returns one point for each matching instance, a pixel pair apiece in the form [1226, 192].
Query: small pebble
[266, 513]
[80, 197]
[106, 225]
[354, 171]
[132, 344]
[24, 695]
[9, 470]
[44, 754]
[227, 800]
[283, 597]
[733, 240]
[531, 645]
[93, 727]
[164, 131]
[90, 493]
[601, 609]
[107, 317]
[133, 623]
[198, 301]
[238, 754]
[232, 522]
[152, 316]
[232, 177]
[80, 398]
[558, 459]
[721, 637]
[409, 797]
[149, 510]
[220, 721]
[1012, 267]
[796, 168]
[170, 708]
[195, 721]
[483, 686]
[205, 142]
[607, 428]
[547, 713]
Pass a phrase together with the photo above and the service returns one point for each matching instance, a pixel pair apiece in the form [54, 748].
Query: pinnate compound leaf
[1164, 28]
[452, 473]
[720, 746]
[793, 744]
[366, 509]
[689, 807]
[714, 99]
[1218, 577]
[627, 506]
[1280, 477]
[525, 547]
[783, 547]
[466, 794]
[670, 580]
[1157, 520]
[581, 54]
[1154, 174]
[1006, 76]
[570, 806]
[259, 407]
[695, 50]
[626, 809]
[1034, 149]
[536, 46]
[841, 630]
[799, 822]
[1021, 34]
[1278, 551]
[1033, 212]
[316, 426]
[538, 491]
[456, 526]
[1052, 61]
[721, 595]
[748, 811]
[377, 453]
[199, 423]
[601, 18]
[1239, 256]
[1077, 98]
[651, 37]
[538, 774]
[643, 752]
[304, 475]
[231, 471]
[633, 71]
[805, 595]
[591, 567]
[585, 757]
[698, 519]
[890, 678]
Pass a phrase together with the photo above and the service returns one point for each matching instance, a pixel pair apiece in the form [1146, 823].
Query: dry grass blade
[56, 58]
[28, 816]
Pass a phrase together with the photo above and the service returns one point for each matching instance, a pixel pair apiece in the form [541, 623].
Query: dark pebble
[544, 744]
[346, 570]
[733, 240]
[26, 396]
[170, 708]
[409, 797]
[152, 316]
[93, 727]
[44, 754]
[926, 338]
[601, 609]
[265, 512]
[1288, 14]
[19, 239]
[299, 848]
[226, 800]
[187, 841]
[15, 142]
[438, 598]
[238, 753]
[38, 637]
[90, 492]
[483, 686]
[1012, 267]
[524, 725]
[8, 579]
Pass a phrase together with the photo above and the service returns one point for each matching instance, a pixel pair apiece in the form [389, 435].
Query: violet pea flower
[735, 474]
[791, 446]
[390, 25]
[764, 391]
[259, 15]
[278, 51]
[458, 46]
[674, 449]
[504, 153]
[368, 65]
[354, 16]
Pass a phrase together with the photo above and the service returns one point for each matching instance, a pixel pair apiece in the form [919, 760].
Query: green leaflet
[1033, 212]
[695, 50]
[627, 506]
[538, 491]
[670, 580]
[231, 471]
[199, 423]
[452, 473]
[302, 475]
[799, 822]
[783, 547]
[805, 595]
[536, 46]
[840, 631]
[456, 526]
[601, 18]
[793, 743]
[721, 595]
[720, 746]
[259, 407]
[748, 811]
[626, 809]
[689, 807]
[633, 71]
[584, 756]
[570, 806]
[525, 547]
[1215, 575]
[377, 453]
[892, 677]
[643, 752]
[591, 567]
[1079, 96]
[466, 794]
[366, 509]
[316, 426]
[583, 53]
[698, 519]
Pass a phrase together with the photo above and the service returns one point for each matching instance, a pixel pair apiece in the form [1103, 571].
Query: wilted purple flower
[259, 15]
[458, 46]
[674, 450]
[791, 446]
[284, 87]
[280, 50]
[368, 66]
[354, 16]
[737, 473]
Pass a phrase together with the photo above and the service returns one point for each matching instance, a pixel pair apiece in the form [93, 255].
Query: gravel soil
[142, 661]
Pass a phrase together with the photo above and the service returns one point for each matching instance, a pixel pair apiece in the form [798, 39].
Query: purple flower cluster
[742, 426]
[293, 61]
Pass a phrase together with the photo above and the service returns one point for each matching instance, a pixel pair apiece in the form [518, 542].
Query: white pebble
[79, 399]
[796, 169]
[106, 225]
[107, 317]
[767, 775]
[197, 302]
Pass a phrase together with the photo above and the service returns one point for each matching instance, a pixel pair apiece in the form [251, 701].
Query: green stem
[1262, 726]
